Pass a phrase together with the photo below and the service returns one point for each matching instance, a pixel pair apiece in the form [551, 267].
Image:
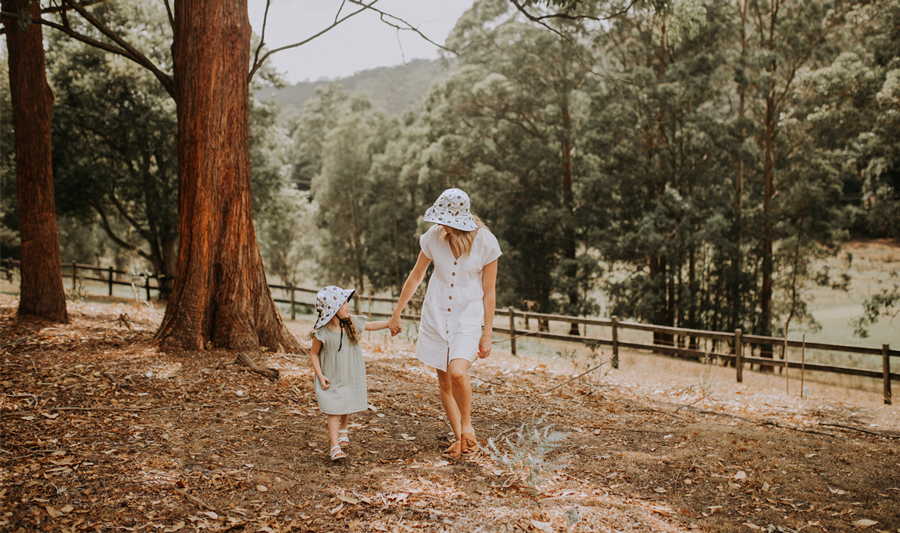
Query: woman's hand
[484, 345]
[396, 325]
[325, 382]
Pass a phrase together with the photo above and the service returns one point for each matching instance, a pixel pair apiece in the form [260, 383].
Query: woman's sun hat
[452, 209]
[328, 301]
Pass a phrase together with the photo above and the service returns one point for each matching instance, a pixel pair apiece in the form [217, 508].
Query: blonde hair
[461, 240]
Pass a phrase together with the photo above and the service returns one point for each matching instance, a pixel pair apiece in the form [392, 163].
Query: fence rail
[736, 341]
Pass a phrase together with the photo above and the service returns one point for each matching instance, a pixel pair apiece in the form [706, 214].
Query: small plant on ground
[527, 456]
[78, 292]
[589, 368]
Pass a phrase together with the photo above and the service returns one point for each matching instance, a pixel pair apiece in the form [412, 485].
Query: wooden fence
[686, 342]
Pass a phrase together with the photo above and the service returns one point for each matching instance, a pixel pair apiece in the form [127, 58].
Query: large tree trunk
[42, 292]
[220, 295]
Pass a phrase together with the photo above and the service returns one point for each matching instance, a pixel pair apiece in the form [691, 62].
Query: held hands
[396, 325]
[324, 381]
[484, 345]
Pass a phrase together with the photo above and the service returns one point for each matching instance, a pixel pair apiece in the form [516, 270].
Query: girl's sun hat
[452, 209]
[328, 301]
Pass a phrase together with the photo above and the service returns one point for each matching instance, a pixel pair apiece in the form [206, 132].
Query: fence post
[356, 302]
[9, 270]
[293, 312]
[615, 342]
[512, 331]
[74, 275]
[886, 364]
[739, 355]
[147, 286]
[110, 280]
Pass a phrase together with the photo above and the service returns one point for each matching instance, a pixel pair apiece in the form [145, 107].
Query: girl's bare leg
[344, 420]
[334, 422]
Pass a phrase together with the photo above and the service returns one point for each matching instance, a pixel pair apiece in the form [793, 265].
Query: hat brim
[466, 223]
[324, 319]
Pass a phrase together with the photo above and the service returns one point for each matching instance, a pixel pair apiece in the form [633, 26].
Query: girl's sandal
[469, 445]
[337, 453]
[345, 439]
[453, 451]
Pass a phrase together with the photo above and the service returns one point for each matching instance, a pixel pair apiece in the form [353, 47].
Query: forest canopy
[692, 161]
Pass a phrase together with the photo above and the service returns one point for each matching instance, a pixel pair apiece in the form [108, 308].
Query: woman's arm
[375, 326]
[409, 288]
[489, 285]
[317, 367]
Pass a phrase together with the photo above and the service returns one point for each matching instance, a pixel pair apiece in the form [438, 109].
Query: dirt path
[101, 432]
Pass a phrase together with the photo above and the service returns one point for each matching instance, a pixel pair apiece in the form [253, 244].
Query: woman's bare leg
[462, 393]
[450, 406]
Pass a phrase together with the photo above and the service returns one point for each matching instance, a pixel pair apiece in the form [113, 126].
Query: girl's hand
[484, 345]
[396, 325]
[325, 382]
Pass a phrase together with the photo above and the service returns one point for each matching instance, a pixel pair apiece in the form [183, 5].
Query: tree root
[270, 373]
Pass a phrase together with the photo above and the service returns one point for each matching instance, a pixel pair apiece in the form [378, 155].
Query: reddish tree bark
[41, 292]
[220, 295]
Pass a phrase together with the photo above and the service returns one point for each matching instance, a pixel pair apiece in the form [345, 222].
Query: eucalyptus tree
[506, 126]
[660, 135]
[343, 191]
[787, 38]
[318, 116]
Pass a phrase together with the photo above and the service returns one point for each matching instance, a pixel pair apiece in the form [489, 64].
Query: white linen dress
[453, 311]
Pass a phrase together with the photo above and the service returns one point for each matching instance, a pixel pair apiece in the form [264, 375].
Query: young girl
[338, 363]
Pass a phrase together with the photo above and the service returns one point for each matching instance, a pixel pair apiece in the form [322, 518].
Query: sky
[360, 43]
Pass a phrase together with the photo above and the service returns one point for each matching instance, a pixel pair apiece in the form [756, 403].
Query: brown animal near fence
[737, 341]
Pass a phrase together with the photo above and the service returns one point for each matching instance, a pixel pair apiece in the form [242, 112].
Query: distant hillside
[393, 89]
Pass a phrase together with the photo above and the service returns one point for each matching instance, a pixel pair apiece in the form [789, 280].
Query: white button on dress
[453, 313]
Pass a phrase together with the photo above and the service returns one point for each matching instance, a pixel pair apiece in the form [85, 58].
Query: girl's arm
[314, 359]
[489, 284]
[409, 288]
[375, 326]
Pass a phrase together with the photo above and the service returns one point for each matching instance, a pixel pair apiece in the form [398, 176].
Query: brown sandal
[453, 451]
[469, 444]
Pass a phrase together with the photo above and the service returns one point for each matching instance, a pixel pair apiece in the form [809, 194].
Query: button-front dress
[343, 364]
[453, 311]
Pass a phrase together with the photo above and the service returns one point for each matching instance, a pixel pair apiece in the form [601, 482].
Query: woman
[460, 298]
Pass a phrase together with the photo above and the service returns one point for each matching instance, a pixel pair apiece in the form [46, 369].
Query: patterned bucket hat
[328, 301]
[452, 209]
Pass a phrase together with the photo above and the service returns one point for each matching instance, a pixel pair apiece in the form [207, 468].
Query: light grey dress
[346, 370]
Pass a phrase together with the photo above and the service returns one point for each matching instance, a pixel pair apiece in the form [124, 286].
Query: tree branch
[57, 9]
[262, 37]
[136, 56]
[104, 222]
[169, 13]
[406, 25]
[566, 16]
[257, 64]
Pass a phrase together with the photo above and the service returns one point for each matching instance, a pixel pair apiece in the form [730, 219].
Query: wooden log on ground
[245, 360]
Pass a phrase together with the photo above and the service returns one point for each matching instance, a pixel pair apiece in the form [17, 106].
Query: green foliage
[343, 190]
[885, 304]
[527, 457]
